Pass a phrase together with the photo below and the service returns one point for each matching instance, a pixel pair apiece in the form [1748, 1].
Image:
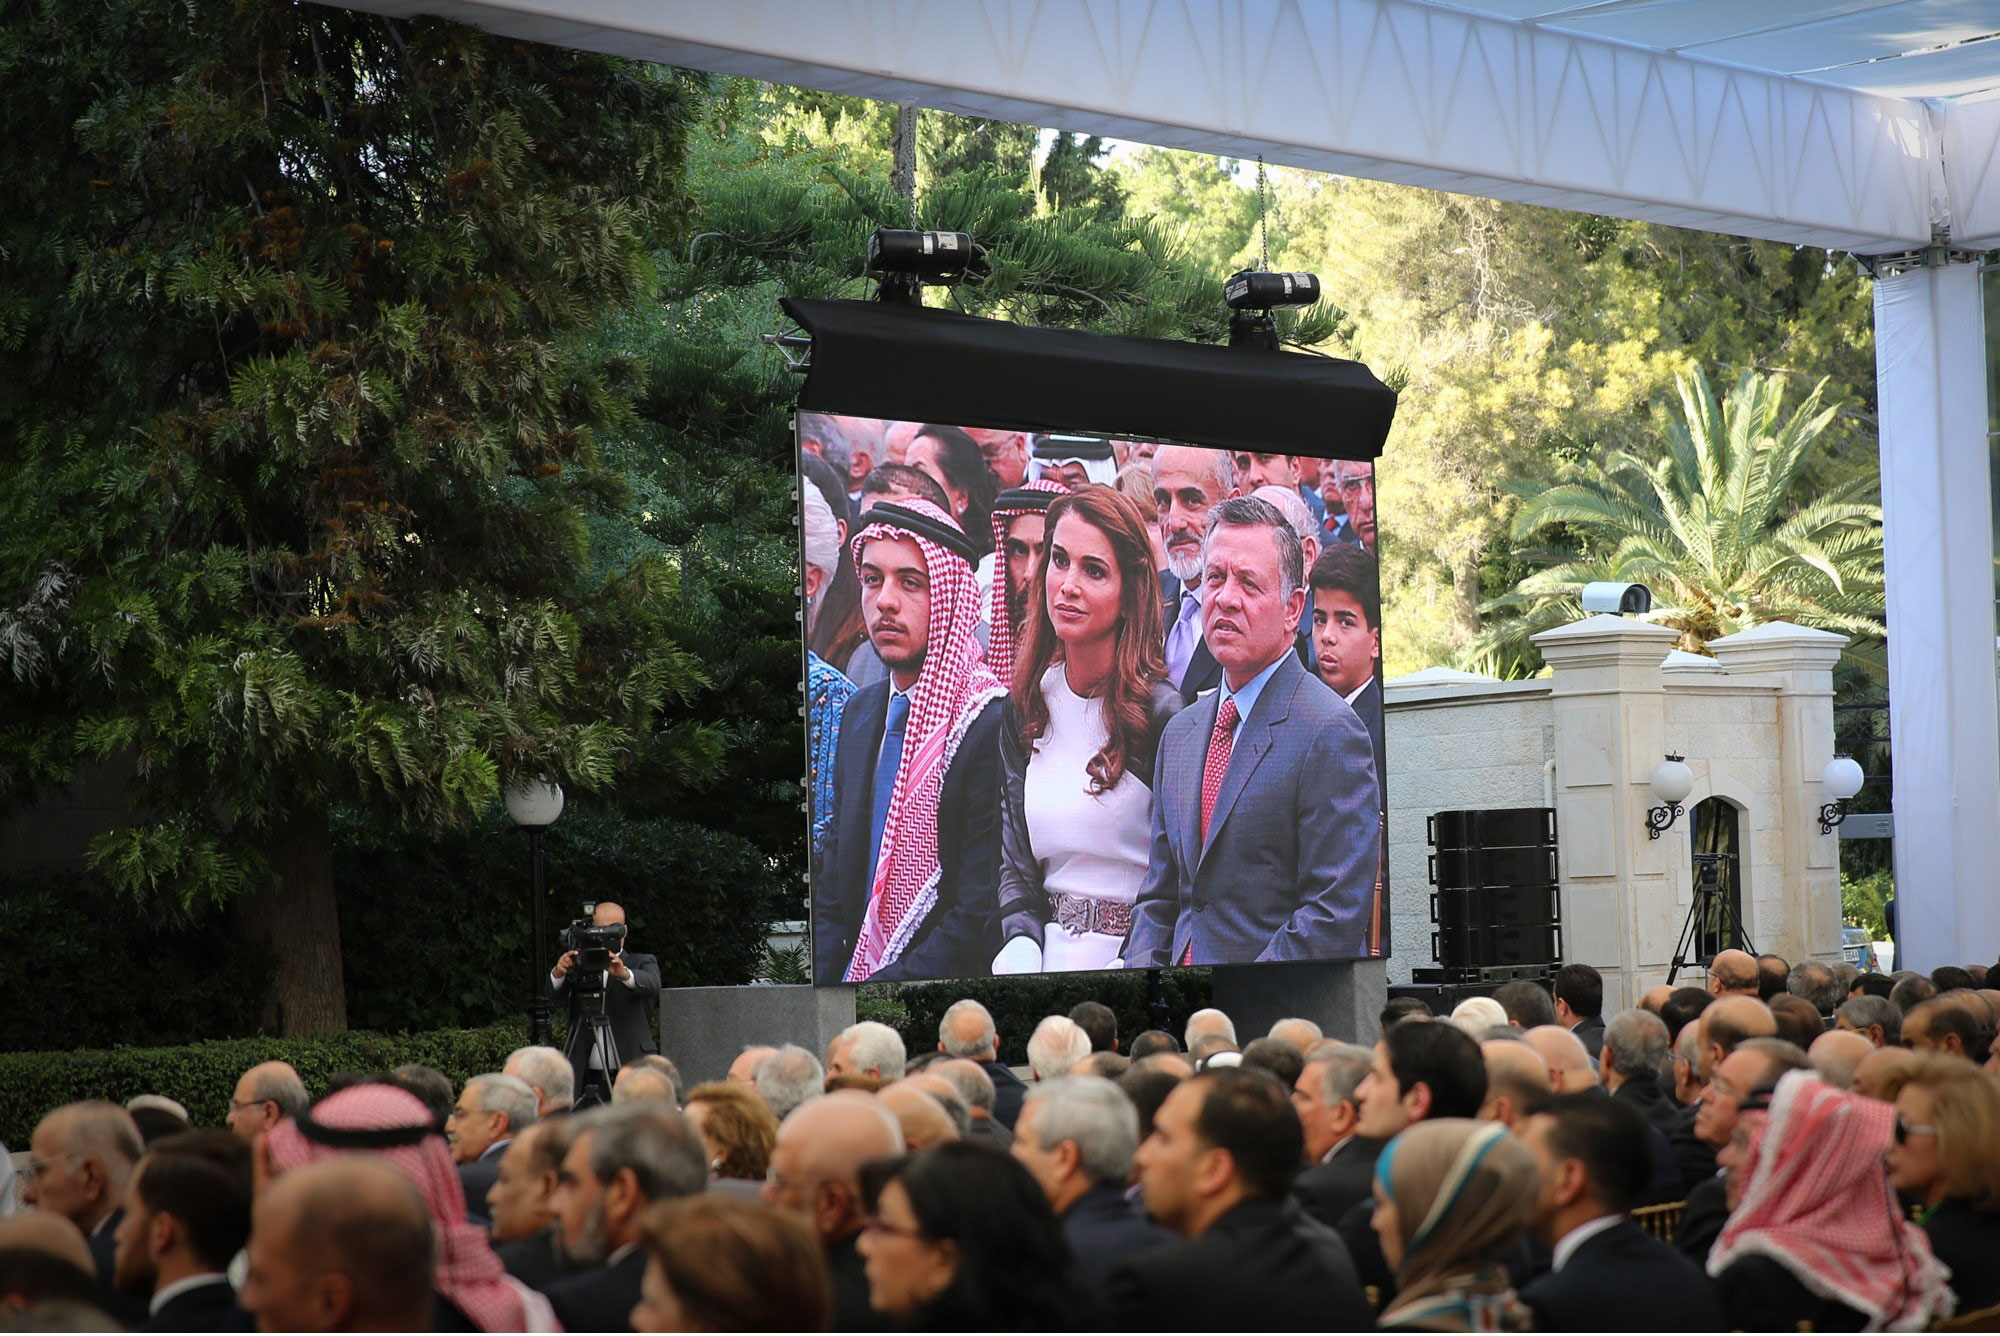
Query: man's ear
[1213, 1169]
[1417, 1099]
[333, 1295]
[1571, 1181]
[163, 1233]
[1069, 1159]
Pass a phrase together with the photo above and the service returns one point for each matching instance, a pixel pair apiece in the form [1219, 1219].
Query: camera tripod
[1711, 908]
[593, 1034]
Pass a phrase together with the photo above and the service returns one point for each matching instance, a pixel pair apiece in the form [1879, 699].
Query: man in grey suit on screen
[1265, 807]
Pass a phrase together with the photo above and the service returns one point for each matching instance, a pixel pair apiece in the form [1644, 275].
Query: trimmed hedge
[1018, 1005]
[203, 1076]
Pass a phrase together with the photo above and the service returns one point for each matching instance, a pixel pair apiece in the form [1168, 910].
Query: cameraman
[631, 992]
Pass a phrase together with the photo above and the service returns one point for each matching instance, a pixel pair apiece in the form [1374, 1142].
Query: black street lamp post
[534, 805]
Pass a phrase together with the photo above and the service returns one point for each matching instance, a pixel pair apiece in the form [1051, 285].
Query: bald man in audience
[816, 1173]
[344, 1245]
[922, 1118]
[44, 1259]
[640, 1083]
[522, 1202]
[1733, 973]
[1836, 1054]
[265, 1096]
[1570, 1069]
[1725, 1024]
[1656, 997]
[743, 1071]
[1517, 1082]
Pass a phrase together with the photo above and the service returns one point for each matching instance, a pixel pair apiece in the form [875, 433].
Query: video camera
[594, 944]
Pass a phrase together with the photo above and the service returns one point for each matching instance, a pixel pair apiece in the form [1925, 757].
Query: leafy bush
[435, 929]
[85, 967]
[203, 1075]
[1018, 1005]
[1862, 900]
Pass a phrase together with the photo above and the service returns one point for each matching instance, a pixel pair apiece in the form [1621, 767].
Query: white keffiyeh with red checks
[952, 687]
[1817, 1201]
[1002, 631]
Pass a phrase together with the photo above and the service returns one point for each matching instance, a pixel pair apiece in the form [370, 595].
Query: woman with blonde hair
[737, 1126]
[1090, 697]
[1452, 1198]
[1945, 1153]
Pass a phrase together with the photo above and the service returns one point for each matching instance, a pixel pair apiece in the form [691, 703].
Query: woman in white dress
[1090, 697]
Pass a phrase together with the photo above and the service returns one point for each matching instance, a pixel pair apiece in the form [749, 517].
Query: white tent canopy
[1869, 126]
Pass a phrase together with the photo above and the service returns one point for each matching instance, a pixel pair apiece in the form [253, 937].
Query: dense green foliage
[436, 929]
[86, 968]
[1019, 1004]
[203, 1076]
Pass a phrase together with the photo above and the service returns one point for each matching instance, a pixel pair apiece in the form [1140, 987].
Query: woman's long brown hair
[1138, 662]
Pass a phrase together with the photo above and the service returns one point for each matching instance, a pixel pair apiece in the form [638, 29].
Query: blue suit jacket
[962, 933]
[1624, 1280]
[1288, 869]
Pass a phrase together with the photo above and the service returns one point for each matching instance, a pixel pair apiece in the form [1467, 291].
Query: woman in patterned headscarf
[475, 1292]
[1819, 1236]
[1452, 1197]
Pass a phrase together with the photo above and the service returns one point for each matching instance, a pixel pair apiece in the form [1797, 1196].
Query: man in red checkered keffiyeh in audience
[910, 873]
[474, 1291]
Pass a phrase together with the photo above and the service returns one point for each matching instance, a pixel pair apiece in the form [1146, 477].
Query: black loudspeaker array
[1496, 907]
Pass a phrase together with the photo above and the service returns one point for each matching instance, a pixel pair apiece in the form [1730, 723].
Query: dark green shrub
[1018, 1005]
[435, 929]
[203, 1075]
[85, 968]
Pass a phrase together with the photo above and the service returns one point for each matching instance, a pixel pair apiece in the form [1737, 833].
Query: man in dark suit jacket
[1635, 1050]
[631, 993]
[1341, 1162]
[1225, 1145]
[649, 1153]
[491, 1111]
[1345, 620]
[1282, 865]
[187, 1213]
[1607, 1274]
[1580, 1005]
[920, 602]
[1077, 1136]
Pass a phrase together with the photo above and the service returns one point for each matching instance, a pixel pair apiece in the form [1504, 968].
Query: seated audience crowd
[1789, 1148]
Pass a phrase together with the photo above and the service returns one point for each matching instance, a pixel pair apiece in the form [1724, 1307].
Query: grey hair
[822, 533]
[1311, 1027]
[987, 1040]
[496, 1092]
[1635, 1042]
[788, 1078]
[1780, 1055]
[1247, 512]
[1346, 1064]
[1815, 983]
[103, 1129]
[837, 443]
[876, 1046]
[956, 1109]
[1207, 1021]
[1097, 1116]
[282, 1088]
[655, 1062]
[659, 1145]
[1866, 1010]
[547, 1069]
[1057, 1045]
[1287, 502]
[974, 1086]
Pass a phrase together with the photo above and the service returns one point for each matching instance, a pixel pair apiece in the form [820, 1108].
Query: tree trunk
[297, 918]
[1465, 597]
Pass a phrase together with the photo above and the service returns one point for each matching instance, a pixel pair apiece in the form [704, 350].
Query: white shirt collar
[167, 1293]
[1328, 1157]
[1355, 694]
[1567, 1245]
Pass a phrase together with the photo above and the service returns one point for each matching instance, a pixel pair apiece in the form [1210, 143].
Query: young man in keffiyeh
[909, 876]
[1075, 461]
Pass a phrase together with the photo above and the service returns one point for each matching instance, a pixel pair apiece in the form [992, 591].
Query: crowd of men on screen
[1077, 703]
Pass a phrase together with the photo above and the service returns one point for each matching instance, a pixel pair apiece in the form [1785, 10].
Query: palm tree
[1716, 528]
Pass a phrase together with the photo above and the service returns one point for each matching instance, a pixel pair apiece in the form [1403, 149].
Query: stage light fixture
[906, 261]
[1252, 294]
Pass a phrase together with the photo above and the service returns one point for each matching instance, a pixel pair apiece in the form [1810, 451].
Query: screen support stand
[1344, 997]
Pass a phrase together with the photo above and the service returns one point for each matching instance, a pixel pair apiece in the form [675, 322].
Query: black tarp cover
[923, 365]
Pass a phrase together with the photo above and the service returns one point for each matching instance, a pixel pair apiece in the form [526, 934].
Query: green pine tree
[301, 500]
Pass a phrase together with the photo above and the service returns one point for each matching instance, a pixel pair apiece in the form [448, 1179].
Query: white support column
[1930, 353]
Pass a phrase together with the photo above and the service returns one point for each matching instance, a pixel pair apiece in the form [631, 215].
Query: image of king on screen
[1123, 726]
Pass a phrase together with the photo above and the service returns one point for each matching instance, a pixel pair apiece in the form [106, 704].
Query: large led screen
[1079, 703]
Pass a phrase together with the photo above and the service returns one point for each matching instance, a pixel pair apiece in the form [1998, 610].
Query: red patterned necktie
[1220, 740]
